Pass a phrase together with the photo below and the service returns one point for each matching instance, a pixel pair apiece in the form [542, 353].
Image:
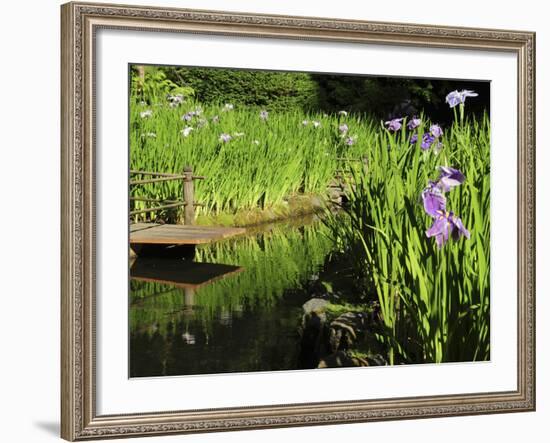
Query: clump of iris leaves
[417, 228]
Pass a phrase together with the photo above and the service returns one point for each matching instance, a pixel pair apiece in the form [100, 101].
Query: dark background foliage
[382, 97]
[389, 97]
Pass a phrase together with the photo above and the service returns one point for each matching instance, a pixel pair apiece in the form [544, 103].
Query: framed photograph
[277, 221]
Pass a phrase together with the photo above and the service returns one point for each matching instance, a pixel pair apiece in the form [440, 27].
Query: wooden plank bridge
[179, 235]
[150, 238]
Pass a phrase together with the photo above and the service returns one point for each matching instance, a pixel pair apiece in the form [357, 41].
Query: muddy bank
[293, 207]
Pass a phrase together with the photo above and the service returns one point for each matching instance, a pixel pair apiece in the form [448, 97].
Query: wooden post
[188, 196]
[188, 302]
[189, 298]
[365, 161]
[141, 72]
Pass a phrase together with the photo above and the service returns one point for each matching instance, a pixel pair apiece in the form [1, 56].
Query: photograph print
[301, 221]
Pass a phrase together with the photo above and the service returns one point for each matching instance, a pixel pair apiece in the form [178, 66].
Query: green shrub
[153, 86]
[276, 91]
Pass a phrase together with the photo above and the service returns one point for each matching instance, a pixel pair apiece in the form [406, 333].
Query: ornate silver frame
[79, 420]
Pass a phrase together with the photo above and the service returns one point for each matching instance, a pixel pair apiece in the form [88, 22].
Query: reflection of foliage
[245, 322]
[273, 262]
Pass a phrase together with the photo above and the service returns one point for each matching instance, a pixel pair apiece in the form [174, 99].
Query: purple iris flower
[343, 128]
[466, 93]
[225, 138]
[175, 100]
[456, 98]
[458, 228]
[188, 116]
[449, 178]
[264, 115]
[394, 124]
[436, 131]
[350, 141]
[453, 98]
[186, 131]
[434, 200]
[445, 223]
[414, 123]
[427, 140]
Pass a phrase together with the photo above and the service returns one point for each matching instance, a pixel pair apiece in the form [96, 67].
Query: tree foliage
[153, 85]
[381, 97]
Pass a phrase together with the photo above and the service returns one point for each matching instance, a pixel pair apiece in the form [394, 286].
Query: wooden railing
[188, 195]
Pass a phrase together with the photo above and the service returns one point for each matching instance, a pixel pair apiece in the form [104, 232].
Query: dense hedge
[382, 97]
[271, 90]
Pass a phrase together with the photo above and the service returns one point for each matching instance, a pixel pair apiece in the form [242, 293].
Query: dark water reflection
[240, 322]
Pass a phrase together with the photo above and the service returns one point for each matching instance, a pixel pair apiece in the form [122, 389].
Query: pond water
[240, 317]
